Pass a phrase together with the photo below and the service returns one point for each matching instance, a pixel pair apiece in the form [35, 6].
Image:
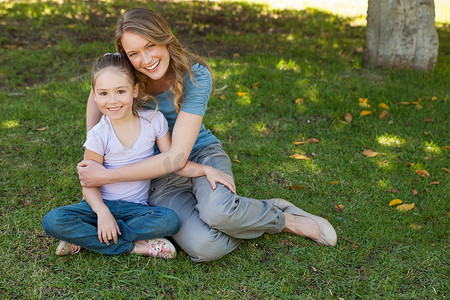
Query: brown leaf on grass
[423, 173]
[393, 190]
[339, 208]
[348, 117]
[395, 202]
[365, 113]
[383, 162]
[299, 100]
[434, 98]
[333, 182]
[300, 143]
[300, 156]
[369, 153]
[435, 182]
[416, 226]
[405, 207]
[446, 147]
[415, 192]
[295, 187]
[426, 133]
[418, 106]
[255, 84]
[363, 102]
[313, 140]
[428, 120]
[404, 103]
[383, 115]
[446, 170]
[223, 97]
[41, 129]
[240, 94]
[235, 159]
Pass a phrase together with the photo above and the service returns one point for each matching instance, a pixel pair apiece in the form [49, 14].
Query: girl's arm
[93, 114]
[106, 223]
[184, 135]
[192, 169]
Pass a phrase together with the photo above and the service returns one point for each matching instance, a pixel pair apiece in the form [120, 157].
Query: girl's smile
[114, 94]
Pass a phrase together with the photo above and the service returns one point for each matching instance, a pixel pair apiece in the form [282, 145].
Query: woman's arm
[192, 169]
[93, 114]
[184, 135]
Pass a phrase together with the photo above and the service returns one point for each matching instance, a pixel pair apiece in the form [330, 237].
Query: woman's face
[148, 58]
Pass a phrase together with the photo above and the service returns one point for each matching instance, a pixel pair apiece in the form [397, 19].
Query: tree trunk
[401, 34]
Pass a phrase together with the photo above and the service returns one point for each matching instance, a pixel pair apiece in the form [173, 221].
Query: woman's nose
[147, 57]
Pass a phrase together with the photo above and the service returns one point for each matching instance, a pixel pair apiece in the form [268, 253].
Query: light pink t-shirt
[102, 139]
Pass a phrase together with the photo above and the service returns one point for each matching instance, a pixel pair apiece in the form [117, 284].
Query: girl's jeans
[212, 222]
[77, 224]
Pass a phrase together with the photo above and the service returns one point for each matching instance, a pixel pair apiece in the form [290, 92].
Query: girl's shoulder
[151, 115]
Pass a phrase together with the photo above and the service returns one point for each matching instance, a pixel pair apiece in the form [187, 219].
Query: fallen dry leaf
[295, 187]
[383, 115]
[365, 113]
[333, 182]
[339, 208]
[405, 207]
[235, 159]
[415, 192]
[369, 153]
[446, 170]
[395, 202]
[428, 120]
[300, 143]
[426, 133]
[223, 97]
[446, 147]
[434, 98]
[240, 94]
[423, 173]
[255, 84]
[348, 117]
[393, 190]
[384, 105]
[435, 182]
[41, 129]
[299, 156]
[416, 226]
[418, 106]
[313, 140]
[299, 100]
[404, 103]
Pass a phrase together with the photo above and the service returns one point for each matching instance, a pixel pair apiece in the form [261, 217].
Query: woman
[212, 221]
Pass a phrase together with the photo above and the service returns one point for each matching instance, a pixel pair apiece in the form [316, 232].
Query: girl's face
[150, 59]
[114, 93]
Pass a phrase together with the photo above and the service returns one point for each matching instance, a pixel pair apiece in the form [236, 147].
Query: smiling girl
[212, 221]
[119, 212]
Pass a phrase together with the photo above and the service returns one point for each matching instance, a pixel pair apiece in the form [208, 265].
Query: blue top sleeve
[197, 91]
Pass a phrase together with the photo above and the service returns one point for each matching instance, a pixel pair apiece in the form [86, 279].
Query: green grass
[267, 59]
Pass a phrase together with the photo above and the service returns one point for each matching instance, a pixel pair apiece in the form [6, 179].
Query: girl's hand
[107, 228]
[214, 175]
[91, 173]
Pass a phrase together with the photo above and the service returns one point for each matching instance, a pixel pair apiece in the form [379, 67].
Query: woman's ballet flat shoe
[328, 235]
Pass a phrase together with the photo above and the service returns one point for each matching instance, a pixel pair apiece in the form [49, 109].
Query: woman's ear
[136, 90]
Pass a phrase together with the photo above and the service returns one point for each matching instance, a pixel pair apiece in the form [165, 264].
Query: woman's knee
[219, 210]
[211, 250]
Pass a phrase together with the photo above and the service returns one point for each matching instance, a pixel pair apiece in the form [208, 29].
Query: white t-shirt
[102, 139]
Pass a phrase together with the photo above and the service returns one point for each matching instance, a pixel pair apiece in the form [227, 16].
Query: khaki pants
[212, 222]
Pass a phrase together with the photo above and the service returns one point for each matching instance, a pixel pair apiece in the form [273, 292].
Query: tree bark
[401, 34]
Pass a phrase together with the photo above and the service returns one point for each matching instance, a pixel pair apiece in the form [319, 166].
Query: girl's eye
[131, 55]
[103, 93]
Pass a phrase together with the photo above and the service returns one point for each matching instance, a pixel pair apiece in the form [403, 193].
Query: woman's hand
[214, 175]
[92, 174]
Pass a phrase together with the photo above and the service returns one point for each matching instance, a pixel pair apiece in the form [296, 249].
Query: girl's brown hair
[121, 62]
[155, 29]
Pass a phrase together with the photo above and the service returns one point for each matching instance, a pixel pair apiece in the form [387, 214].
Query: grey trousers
[212, 222]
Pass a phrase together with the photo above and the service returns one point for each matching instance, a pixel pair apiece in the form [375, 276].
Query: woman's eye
[120, 92]
[150, 46]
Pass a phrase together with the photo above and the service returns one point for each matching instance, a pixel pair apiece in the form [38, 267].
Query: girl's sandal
[160, 248]
[66, 248]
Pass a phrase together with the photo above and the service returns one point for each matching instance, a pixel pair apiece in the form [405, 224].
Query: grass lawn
[293, 80]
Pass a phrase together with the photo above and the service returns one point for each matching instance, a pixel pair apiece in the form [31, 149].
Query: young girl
[119, 212]
[212, 221]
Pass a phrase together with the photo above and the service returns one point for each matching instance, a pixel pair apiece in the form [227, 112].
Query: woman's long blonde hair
[155, 29]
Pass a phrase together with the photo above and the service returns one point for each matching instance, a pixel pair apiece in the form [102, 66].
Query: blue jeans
[77, 224]
[213, 222]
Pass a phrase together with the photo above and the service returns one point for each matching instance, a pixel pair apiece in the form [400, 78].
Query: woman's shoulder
[202, 76]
